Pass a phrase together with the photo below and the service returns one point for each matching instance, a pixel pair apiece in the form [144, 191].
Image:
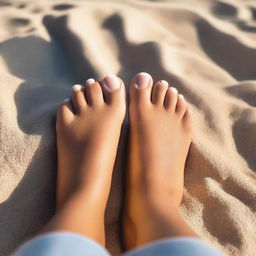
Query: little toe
[93, 93]
[181, 106]
[158, 92]
[140, 88]
[78, 100]
[188, 119]
[65, 113]
[171, 98]
[113, 89]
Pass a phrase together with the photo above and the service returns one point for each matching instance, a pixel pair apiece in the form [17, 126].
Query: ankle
[161, 197]
[164, 208]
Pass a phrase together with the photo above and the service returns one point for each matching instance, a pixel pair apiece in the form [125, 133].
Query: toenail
[77, 87]
[66, 100]
[90, 81]
[111, 82]
[174, 89]
[142, 80]
[181, 96]
[164, 82]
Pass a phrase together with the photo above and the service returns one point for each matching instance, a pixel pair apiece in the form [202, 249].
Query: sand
[207, 49]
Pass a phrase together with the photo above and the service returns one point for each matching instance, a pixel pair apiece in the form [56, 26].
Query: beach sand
[206, 49]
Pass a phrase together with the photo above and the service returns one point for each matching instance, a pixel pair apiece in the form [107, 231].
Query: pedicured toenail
[164, 82]
[174, 89]
[142, 80]
[111, 82]
[66, 100]
[77, 87]
[90, 81]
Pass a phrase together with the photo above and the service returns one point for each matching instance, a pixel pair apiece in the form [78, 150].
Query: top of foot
[88, 129]
[160, 136]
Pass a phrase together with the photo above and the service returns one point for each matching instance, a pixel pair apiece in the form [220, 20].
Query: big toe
[140, 88]
[113, 89]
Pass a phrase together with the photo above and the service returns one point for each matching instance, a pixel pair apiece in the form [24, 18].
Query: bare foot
[160, 136]
[88, 130]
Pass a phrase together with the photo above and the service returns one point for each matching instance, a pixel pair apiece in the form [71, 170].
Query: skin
[160, 137]
[88, 130]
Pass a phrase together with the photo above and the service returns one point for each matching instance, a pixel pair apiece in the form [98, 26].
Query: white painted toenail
[174, 89]
[111, 82]
[66, 100]
[142, 80]
[181, 96]
[90, 81]
[164, 82]
[77, 87]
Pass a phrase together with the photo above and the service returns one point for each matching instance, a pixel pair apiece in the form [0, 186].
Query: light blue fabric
[61, 244]
[71, 244]
[183, 246]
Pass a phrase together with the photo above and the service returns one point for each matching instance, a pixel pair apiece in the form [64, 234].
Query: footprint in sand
[21, 6]
[221, 8]
[62, 7]
[253, 10]
[19, 22]
[245, 91]
[4, 3]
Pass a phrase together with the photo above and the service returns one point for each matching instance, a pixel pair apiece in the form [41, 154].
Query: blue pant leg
[61, 244]
[185, 246]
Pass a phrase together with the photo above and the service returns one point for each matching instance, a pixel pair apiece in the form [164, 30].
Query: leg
[160, 136]
[88, 129]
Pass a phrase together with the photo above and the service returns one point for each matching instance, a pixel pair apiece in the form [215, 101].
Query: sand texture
[207, 49]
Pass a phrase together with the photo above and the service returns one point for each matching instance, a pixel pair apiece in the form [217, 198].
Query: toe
[187, 119]
[140, 89]
[181, 106]
[113, 89]
[171, 98]
[78, 99]
[93, 93]
[158, 92]
[65, 113]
